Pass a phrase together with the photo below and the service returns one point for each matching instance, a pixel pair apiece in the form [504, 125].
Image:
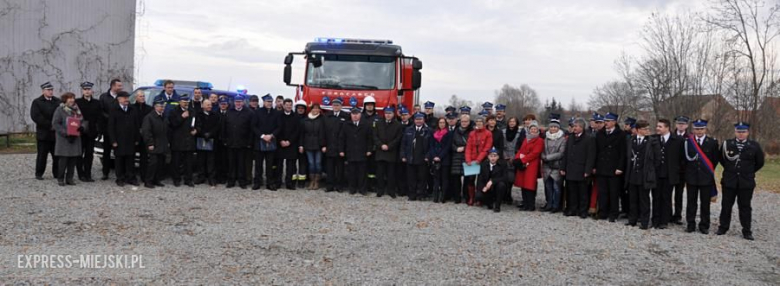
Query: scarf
[511, 134]
[439, 134]
[312, 116]
[530, 136]
[555, 136]
[71, 111]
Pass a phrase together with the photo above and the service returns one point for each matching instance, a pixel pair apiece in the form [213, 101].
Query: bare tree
[518, 100]
[750, 27]
[617, 97]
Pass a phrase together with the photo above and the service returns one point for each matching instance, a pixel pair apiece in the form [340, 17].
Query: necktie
[663, 140]
[356, 124]
[124, 108]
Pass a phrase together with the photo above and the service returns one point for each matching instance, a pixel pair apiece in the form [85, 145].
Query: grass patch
[20, 143]
[768, 179]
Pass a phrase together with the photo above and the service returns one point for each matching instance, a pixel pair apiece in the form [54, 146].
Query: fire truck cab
[353, 69]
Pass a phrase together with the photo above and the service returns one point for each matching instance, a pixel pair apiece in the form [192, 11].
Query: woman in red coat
[528, 163]
[479, 143]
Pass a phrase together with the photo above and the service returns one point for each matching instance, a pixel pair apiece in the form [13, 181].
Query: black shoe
[552, 211]
[39, 178]
[583, 216]
[412, 199]
[120, 183]
[690, 229]
[721, 231]
[631, 223]
[393, 195]
[273, 188]
[133, 182]
[176, 183]
[200, 181]
[704, 231]
[497, 209]
[255, 187]
[290, 186]
[243, 186]
[105, 177]
[379, 194]
[643, 227]
[190, 184]
[612, 219]
[677, 221]
[662, 226]
[230, 185]
[61, 183]
[158, 184]
[70, 183]
[149, 186]
[363, 192]
[748, 236]
[329, 189]
[88, 180]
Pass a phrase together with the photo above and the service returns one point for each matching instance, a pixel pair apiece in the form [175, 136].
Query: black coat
[334, 127]
[459, 138]
[290, 130]
[390, 135]
[650, 158]
[42, 112]
[208, 125]
[497, 175]
[155, 133]
[93, 114]
[441, 149]
[671, 158]
[107, 104]
[696, 171]
[741, 173]
[313, 133]
[414, 145]
[124, 130]
[180, 128]
[610, 152]
[266, 121]
[580, 157]
[357, 140]
[236, 128]
[498, 141]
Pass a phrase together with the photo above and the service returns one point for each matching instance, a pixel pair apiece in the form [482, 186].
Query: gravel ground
[209, 236]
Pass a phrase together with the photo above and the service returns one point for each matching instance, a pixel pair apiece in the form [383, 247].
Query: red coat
[479, 143]
[526, 179]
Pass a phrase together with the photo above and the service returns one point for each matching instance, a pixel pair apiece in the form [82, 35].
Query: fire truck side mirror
[416, 64]
[287, 74]
[288, 60]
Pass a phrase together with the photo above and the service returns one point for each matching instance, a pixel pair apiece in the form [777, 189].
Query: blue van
[181, 87]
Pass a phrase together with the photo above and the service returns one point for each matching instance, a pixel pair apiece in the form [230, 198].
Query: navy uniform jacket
[357, 140]
[740, 173]
[42, 111]
[696, 173]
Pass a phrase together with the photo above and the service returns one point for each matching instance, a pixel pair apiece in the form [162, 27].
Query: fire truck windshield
[352, 72]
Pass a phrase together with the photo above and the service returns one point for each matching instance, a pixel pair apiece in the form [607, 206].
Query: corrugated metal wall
[64, 42]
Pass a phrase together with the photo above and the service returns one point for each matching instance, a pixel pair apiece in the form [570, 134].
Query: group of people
[593, 168]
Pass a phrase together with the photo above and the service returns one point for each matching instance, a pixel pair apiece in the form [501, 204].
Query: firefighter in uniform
[414, 148]
[406, 121]
[370, 115]
[266, 124]
[358, 144]
[610, 164]
[681, 131]
[430, 119]
[741, 159]
[387, 139]
[501, 116]
[237, 139]
[42, 112]
[334, 148]
[701, 154]
[488, 107]
[91, 110]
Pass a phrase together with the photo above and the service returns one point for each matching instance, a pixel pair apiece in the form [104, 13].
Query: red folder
[73, 126]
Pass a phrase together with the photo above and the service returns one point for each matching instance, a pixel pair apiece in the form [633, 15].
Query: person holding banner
[66, 122]
[701, 154]
[741, 159]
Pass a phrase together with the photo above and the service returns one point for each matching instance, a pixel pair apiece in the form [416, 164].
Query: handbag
[204, 144]
[519, 165]
[268, 146]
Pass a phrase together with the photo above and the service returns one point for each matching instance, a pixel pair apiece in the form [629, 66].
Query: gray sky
[563, 49]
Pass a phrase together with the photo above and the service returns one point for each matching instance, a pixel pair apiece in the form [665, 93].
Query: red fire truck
[354, 69]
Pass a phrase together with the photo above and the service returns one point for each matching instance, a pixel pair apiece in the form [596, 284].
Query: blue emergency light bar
[352, 41]
[199, 84]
